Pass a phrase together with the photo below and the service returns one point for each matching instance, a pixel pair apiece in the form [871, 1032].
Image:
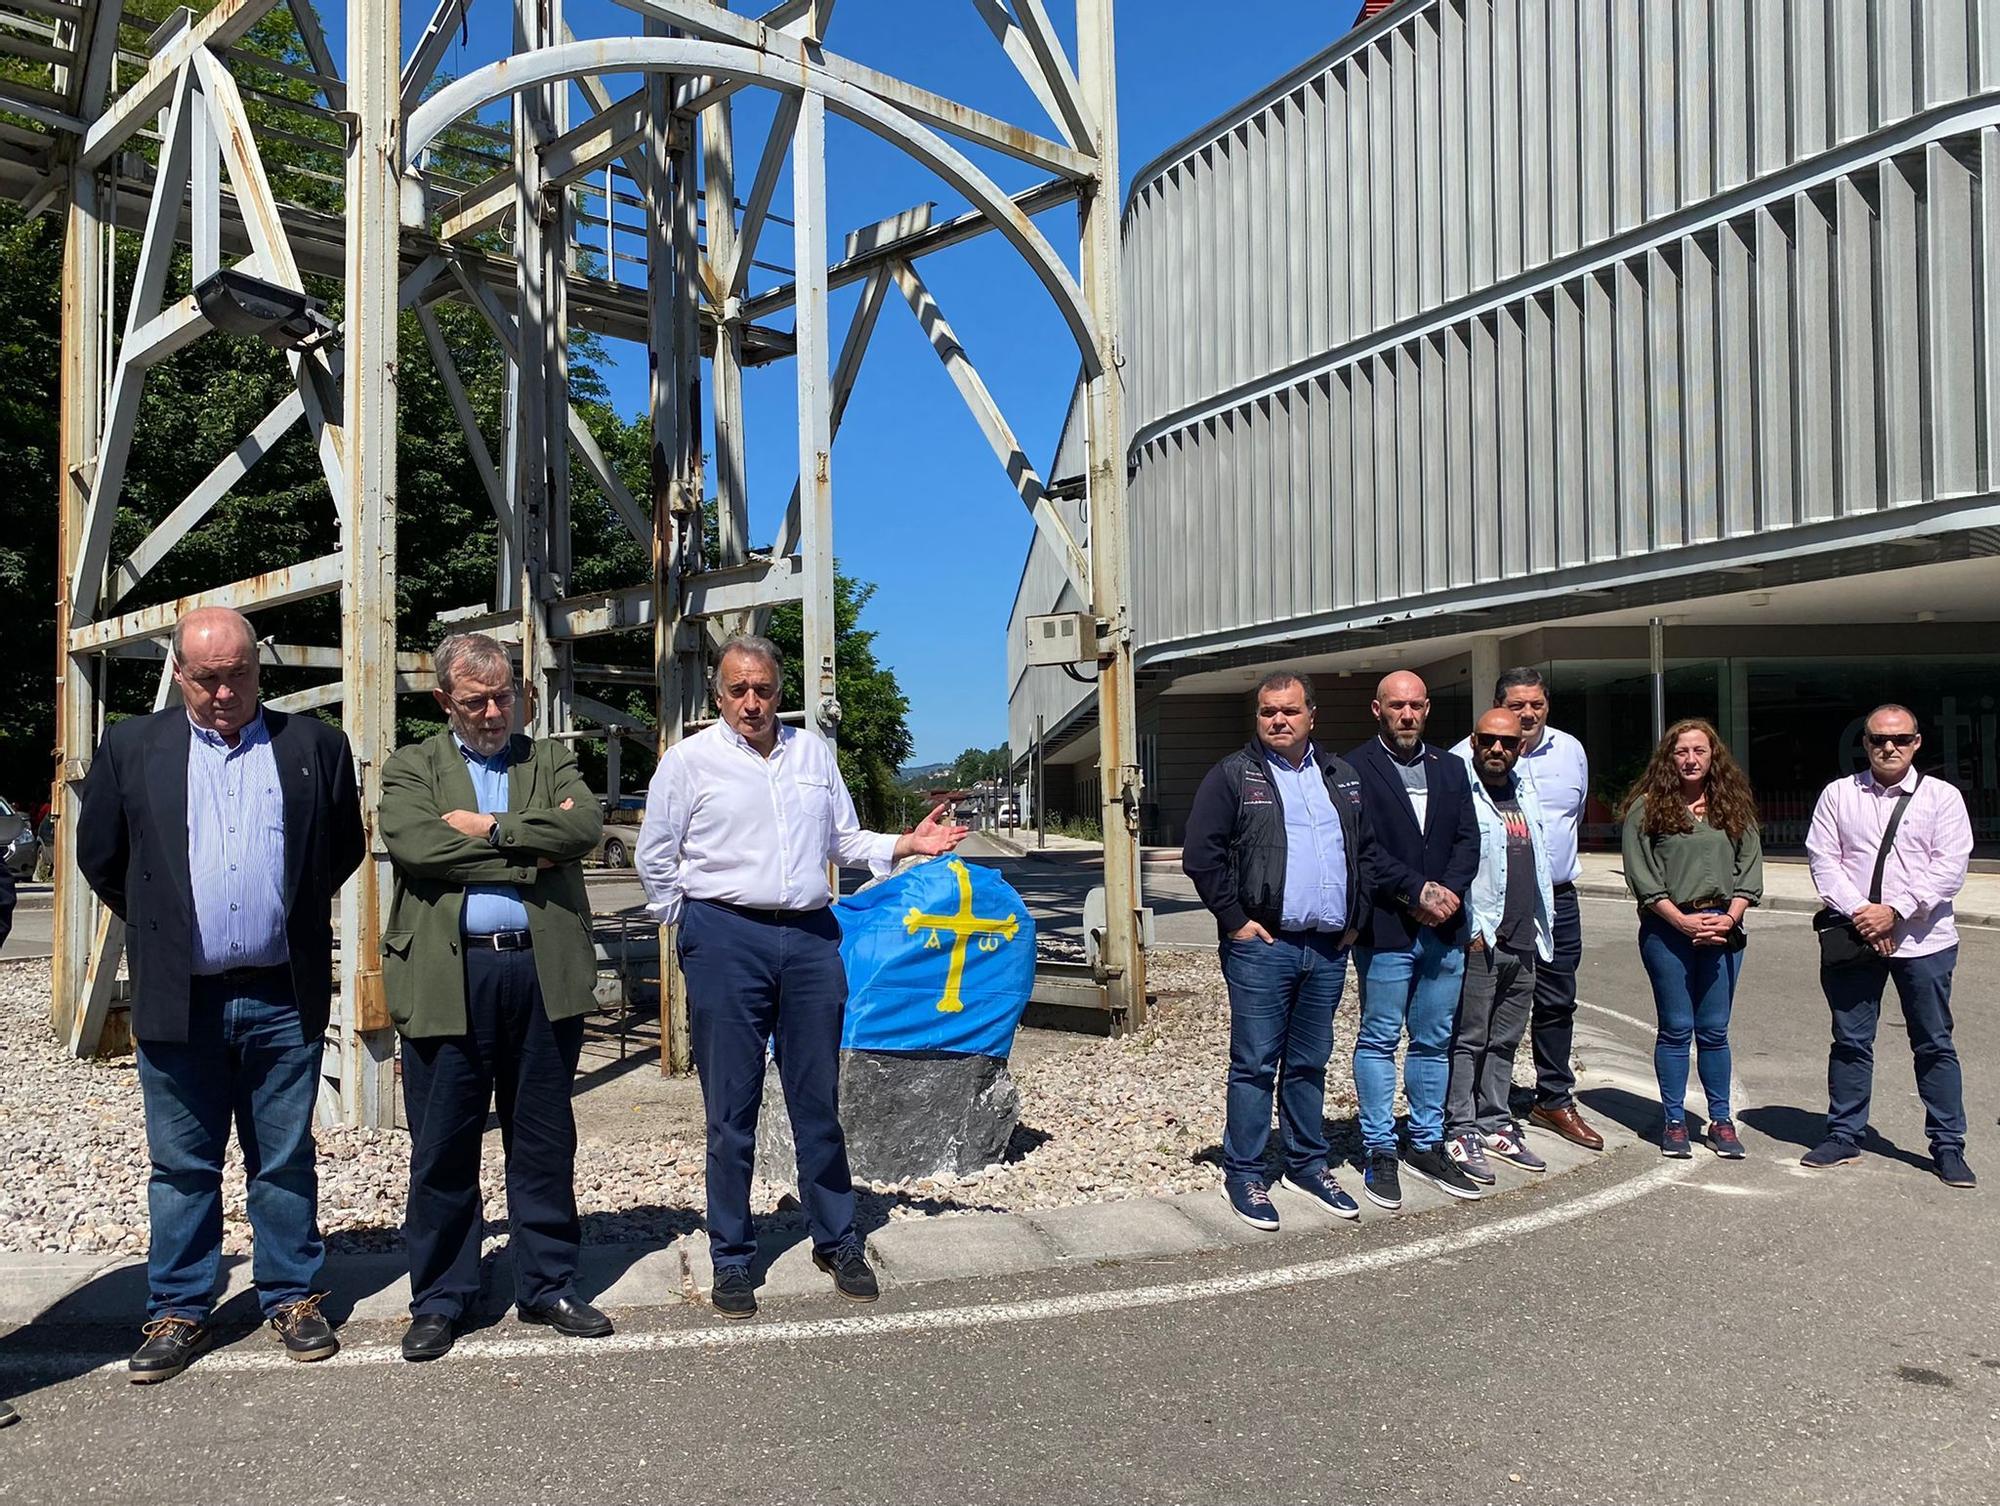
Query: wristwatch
[493, 834]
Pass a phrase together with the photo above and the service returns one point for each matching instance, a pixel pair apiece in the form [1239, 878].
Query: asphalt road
[1628, 1333]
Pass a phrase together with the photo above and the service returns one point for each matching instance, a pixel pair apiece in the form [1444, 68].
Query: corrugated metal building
[1505, 325]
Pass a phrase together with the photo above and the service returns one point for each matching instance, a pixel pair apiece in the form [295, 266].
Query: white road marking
[1739, 1094]
[958, 1319]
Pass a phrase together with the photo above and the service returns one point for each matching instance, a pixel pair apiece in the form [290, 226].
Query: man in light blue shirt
[236, 849]
[1315, 847]
[490, 908]
[1553, 764]
[1275, 845]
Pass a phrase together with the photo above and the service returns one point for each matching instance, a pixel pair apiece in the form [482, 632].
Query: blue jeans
[1414, 988]
[246, 1059]
[1694, 988]
[1855, 996]
[1282, 995]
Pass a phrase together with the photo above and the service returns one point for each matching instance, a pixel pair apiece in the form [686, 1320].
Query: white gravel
[1110, 1119]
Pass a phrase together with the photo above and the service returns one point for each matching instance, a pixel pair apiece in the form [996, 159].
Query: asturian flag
[940, 957]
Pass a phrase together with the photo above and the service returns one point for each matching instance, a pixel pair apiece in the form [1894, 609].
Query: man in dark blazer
[1277, 845]
[1412, 948]
[219, 832]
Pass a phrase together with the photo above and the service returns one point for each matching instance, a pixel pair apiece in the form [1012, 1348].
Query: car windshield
[6, 809]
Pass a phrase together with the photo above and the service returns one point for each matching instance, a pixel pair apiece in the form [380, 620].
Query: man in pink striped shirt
[1910, 927]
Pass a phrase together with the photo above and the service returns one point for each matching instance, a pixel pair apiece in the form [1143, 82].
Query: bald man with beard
[1411, 954]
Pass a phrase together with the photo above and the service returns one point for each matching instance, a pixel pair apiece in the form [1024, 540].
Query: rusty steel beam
[229, 21]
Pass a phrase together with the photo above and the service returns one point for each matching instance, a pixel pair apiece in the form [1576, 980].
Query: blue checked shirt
[236, 850]
[490, 907]
[1315, 848]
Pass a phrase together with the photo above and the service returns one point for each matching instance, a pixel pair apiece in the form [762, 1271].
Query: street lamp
[237, 303]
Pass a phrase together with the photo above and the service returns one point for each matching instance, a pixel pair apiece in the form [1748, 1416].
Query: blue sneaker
[1251, 1201]
[1324, 1190]
[1512, 1147]
[1674, 1141]
[1382, 1182]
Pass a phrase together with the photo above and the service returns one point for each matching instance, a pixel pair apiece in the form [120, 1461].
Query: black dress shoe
[429, 1337]
[852, 1276]
[732, 1295]
[170, 1344]
[307, 1334]
[568, 1315]
[8, 1416]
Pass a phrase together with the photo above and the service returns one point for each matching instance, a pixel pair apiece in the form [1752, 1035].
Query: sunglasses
[1891, 739]
[1496, 740]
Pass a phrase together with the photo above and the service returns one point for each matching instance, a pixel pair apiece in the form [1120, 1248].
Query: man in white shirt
[742, 820]
[1554, 766]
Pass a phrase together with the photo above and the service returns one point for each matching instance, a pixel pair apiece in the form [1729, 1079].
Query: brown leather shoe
[1568, 1123]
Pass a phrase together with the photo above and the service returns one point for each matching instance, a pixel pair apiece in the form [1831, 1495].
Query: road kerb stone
[1134, 1229]
[972, 1244]
[32, 1285]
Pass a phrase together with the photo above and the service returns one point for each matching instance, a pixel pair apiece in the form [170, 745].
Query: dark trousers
[512, 1052]
[1855, 996]
[1553, 1027]
[753, 976]
[1492, 1011]
[1282, 995]
[245, 1060]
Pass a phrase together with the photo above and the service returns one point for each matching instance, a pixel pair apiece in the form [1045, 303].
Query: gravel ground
[1135, 1117]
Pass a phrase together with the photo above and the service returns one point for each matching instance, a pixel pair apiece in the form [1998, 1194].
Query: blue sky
[921, 508]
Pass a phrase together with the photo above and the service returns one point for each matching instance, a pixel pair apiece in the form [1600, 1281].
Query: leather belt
[1568, 886]
[502, 941]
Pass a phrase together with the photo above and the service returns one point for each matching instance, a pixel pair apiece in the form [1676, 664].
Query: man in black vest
[1276, 845]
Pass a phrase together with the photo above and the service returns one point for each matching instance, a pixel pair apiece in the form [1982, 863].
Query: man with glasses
[1895, 887]
[1553, 764]
[742, 821]
[489, 968]
[1512, 910]
[219, 831]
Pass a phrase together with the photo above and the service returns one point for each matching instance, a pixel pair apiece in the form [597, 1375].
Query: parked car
[19, 846]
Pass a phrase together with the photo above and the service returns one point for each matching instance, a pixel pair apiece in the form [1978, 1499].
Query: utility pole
[1124, 960]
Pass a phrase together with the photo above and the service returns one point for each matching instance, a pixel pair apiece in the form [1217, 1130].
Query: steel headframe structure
[156, 135]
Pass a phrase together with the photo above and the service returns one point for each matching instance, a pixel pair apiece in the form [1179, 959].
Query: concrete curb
[1785, 903]
[110, 1290]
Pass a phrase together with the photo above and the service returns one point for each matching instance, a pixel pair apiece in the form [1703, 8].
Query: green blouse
[1702, 864]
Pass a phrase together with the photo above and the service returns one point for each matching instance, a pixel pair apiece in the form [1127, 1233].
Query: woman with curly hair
[1694, 863]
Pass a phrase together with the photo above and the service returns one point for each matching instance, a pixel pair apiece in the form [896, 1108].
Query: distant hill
[922, 773]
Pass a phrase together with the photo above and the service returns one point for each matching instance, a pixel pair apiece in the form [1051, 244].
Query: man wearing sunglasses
[1906, 921]
[1512, 904]
[489, 968]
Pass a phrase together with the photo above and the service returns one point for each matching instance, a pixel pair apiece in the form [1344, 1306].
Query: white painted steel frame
[659, 138]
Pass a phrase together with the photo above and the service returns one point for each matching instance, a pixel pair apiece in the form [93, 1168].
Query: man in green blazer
[489, 968]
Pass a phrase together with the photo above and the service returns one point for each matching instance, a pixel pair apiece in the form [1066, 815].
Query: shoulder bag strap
[1888, 840]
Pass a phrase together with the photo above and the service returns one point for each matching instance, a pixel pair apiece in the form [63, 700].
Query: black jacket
[1445, 851]
[132, 848]
[1234, 849]
[7, 894]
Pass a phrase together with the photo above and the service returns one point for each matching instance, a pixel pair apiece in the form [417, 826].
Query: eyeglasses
[1496, 740]
[1891, 739]
[472, 705]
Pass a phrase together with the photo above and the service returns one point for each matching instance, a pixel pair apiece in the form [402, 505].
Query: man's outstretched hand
[931, 836]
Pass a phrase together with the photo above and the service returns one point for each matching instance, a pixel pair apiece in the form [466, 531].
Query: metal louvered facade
[1504, 310]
